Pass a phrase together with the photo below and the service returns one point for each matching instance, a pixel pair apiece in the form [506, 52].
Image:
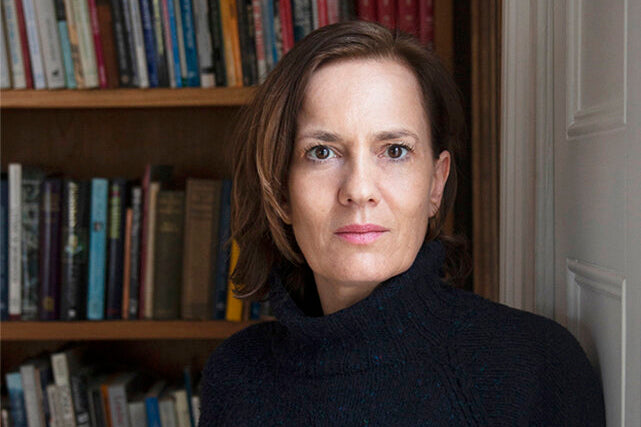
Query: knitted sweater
[414, 352]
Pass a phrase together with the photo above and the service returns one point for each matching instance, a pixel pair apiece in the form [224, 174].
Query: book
[202, 207]
[167, 409]
[137, 411]
[234, 311]
[119, 390]
[55, 406]
[247, 42]
[193, 420]
[12, 29]
[386, 12]
[189, 39]
[159, 38]
[97, 43]
[333, 11]
[286, 24]
[152, 408]
[134, 269]
[259, 40]
[168, 250]
[302, 18]
[49, 242]
[65, 46]
[74, 44]
[126, 270]
[5, 75]
[96, 266]
[125, 70]
[221, 265]
[35, 47]
[367, 10]
[63, 363]
[231, 42]
[116, 244]
[15, 240]
[408, 16]
[24, 44]
[203, 42]
[182, 408]
[32, 395]
[79, 377]
[130, 42]
[32, 179]
[426, 22]
[146, 15]
[50, 44]
[86, 43]
[16, 398]
[347, 10]
[142, 77]
[271, 54]
[75, 224]
[4, 248]
[94, 399]
[171, 43]
[217, 44]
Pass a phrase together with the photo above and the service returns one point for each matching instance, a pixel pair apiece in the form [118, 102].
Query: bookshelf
[115, 133]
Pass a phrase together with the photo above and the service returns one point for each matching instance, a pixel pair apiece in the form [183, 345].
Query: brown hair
[264, 141]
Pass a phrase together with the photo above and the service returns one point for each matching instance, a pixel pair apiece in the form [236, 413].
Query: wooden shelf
[126, 98]
[119, 330]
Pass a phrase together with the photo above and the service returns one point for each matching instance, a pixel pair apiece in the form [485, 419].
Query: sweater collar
[378, 329]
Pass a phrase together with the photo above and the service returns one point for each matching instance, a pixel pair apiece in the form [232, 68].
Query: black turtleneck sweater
[414, 352]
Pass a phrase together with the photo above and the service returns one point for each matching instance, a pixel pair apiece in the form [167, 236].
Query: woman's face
[363, 180]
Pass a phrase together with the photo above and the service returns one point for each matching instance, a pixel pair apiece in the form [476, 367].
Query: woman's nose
[359, 184]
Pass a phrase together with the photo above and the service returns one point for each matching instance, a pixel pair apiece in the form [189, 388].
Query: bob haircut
[264, 140]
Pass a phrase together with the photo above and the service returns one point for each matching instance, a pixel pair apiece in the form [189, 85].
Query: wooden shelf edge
[125, 98]
[117, 330]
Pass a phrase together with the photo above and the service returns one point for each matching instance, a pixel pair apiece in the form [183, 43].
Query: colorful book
[97, 43]
[119, 390]
[150, 41]
[247, 40]
[74, 43]
[334, 11]
[86, 43]
[151, 403]
[75, 224]
[168, 250]
[24, 44]
[221, 266]
[15, 241]
[12, 29]
[50, 224]
[229, 20]
[286, 24]
[35, 47]
[202, 207]
[116, 244]
[32, 179]
[50, 44]
[189, 39]
[234, 311]
[79, 377]
[96, 267]
[65, 46]
[16, 398]
[4, 248]
[269, 31]
[259, 40]
[189, 389]
[171, 43]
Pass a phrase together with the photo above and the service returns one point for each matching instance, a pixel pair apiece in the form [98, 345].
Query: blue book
[269, 34]
[4, 248]
[151, 404]
[150, 41]
[189, 38]
[97, 250]
[16, 399]
[190, 393]
[222, 258]
[63, 31]
[173, 32]
[254, 310]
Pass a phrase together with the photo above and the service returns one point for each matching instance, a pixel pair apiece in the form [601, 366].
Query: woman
[345, 171]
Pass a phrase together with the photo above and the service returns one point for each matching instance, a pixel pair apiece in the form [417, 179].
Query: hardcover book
[97, 249]
[50, 227]
[116, 244]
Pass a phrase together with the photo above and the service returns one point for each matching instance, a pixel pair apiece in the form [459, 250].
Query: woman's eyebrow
[394, 134]
[320, 135]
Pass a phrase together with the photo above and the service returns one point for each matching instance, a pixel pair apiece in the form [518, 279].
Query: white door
[597, 191]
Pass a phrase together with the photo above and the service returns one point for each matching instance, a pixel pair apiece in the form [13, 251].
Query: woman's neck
[335, 297]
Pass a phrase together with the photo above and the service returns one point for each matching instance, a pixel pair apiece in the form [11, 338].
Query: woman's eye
[396, 151]
[320, 152]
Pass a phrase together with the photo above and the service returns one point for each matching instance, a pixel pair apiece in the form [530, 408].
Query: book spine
[203, 42]
[4, 249]
[31, 185]
[386, 12]
[18, 78]
[116, 237]
[150, 41]
[15, 240]
[189, 391]
[118, 25]
[86, 44]
[167, 410]
[24, 44]
[217, 44]
[43, 378]
[222, 252]
[126, 271]
[189, 38]
[74, 43]
[426, 22]
[50, 43]
[60, 367]
[171, 43]
[153, 412]
[182, 59]
[78, 389]
[130, 43]
[286, 24]
[5, 76]
[234, 305]
[271, 54]
[302, 18]
[314, 7]
[50, 249]
[259, 38]
[65, 46]
[161, 55]
[333, 11]
[408, 16]
[366, 10]
[97, 41]
[247, 40]
[55, 411]
[16, 398]
[97, 250]
[35, 50]
[75, 220]
[170, 218]
[230, 39]
[139, 44]
[35, 413]
[118, 406]
[134, 272]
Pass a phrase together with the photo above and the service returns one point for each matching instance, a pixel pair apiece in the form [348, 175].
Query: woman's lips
[361, 234]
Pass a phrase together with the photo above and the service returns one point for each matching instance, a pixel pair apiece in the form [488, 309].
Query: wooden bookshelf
[125, 98]
[120, 330]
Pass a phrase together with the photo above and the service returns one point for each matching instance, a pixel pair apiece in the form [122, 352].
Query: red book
[386, 12]
[408, 16]
[322, 13]
[426, 22]
[367, 10]
[333, 11]
[286, 24]
[24, 44]
[95, 29]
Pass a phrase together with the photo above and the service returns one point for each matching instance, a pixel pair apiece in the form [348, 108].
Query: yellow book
[234, 312]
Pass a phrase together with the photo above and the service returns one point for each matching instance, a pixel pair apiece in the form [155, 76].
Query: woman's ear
[439, 178]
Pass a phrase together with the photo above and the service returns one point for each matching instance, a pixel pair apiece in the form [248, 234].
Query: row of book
[65, 389]
[117, 249]
[172, 43]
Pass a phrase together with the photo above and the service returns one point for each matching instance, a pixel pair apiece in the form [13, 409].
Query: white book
[32, 395]
[195, 404]
[15, 239]
[182, 409]
[50, 43]
[5, 75]
[203, 43]
[137, 413]
[85, 42]
[167, 409]
[18, 77]
[61, 364]
[55, 411]
[139, 44]
[35, 50]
